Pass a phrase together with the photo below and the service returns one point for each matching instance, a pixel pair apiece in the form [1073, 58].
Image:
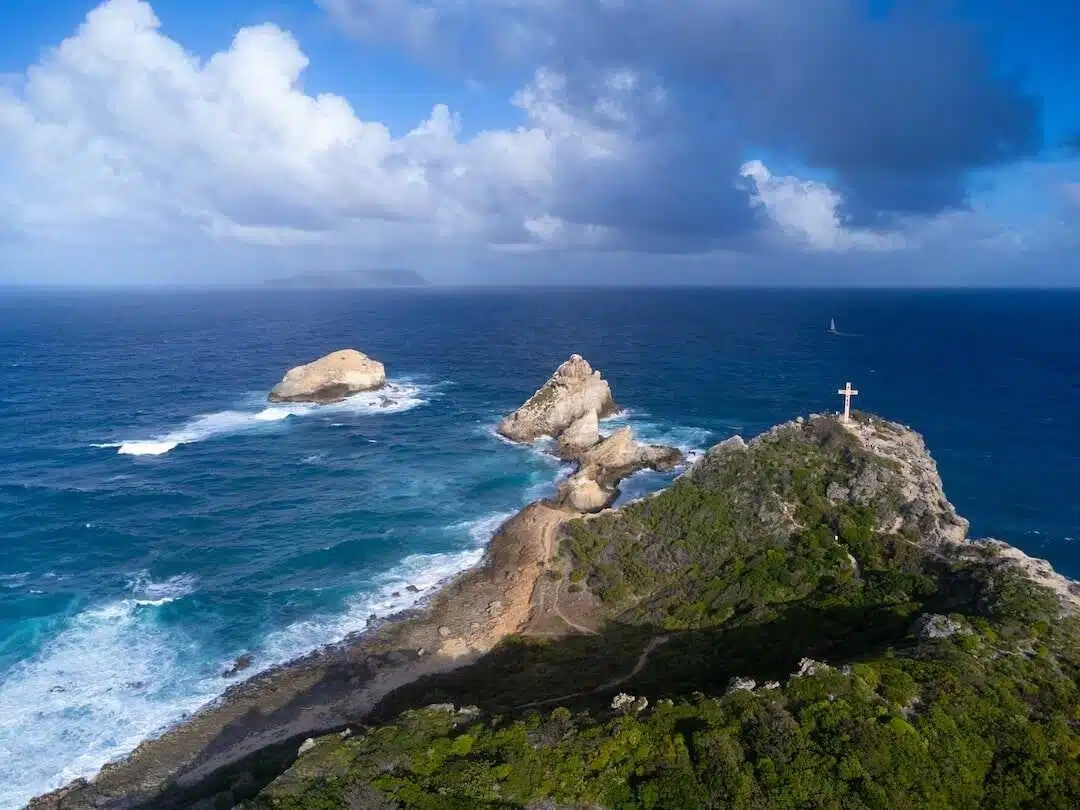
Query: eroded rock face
[580, 436]
[923, 501]
[617, 450]
[331, 378]
[620, 455]
[568, 407]
[583, 493]
[573, 391]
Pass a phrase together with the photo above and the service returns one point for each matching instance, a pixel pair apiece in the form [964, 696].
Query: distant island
[349, 280]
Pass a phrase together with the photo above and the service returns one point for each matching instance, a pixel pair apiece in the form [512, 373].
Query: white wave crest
[115, 676]
[92, 694]
[392, 398]
[481, 530]
[150, 593]
[16, 580]
[409, 582]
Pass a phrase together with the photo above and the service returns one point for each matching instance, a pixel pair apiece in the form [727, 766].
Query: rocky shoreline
[516, 589]
[338, 685]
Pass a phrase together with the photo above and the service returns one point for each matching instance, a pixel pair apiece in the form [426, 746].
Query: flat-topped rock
[574, 390]
[331, 378]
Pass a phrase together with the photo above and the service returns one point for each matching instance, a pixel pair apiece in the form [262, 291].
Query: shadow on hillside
[584, 672]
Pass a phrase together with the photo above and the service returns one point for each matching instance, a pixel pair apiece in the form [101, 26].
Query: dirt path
[566, 619]
[639, 665]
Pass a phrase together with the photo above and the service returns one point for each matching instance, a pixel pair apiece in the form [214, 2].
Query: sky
[763, 142]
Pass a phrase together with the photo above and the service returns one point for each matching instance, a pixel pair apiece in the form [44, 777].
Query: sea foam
[154, 594]
[117, 676]
[392, 398]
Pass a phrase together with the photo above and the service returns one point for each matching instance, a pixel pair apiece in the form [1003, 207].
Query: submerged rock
[330, 378]
[573, 391]
[239, 665]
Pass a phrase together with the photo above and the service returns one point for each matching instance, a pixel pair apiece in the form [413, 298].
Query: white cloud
[123, 140]
[808, 212]
[119, 128]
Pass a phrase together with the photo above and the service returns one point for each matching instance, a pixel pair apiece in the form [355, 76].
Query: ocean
[158, 518]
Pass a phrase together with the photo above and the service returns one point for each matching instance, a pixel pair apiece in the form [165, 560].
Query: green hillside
[791, 625]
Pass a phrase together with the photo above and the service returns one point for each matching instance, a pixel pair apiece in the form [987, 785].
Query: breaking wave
[392, 398]
[117, 675]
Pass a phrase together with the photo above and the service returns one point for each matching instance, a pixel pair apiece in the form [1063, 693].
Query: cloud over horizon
[712, 129]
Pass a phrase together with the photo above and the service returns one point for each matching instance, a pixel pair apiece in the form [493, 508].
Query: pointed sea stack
[568, 408]
[573, 391]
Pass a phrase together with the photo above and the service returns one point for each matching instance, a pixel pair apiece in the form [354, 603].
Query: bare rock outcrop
[595, 484]
[580, 436]
[583, 493]
[909, 463]
[568, 408]
[574, 390]
[620, 449]
[331, 378]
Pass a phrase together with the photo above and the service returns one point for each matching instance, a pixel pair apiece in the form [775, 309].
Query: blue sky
[715, 141]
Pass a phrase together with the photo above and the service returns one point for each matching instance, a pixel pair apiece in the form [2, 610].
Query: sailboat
[832, 327]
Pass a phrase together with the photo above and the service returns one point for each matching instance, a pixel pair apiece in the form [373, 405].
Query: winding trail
[639, 665]
[566, 619]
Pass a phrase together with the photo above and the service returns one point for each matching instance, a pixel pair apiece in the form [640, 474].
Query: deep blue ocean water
[158, 518]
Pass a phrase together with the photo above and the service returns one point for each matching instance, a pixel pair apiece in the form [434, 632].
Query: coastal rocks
[331, 378]
[305, 746]
[617, 450]
[999, 555]
[583, 493]
[568, 407]
[934, 626]
[594, 486]
[620, 455]
[238, 666]
[582, 434]
[573, 391]
[922, 501]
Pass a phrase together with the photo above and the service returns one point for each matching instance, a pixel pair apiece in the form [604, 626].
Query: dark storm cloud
[900, 105]
[679, 196]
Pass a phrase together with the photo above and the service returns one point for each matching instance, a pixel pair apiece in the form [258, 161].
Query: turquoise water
[158, 518]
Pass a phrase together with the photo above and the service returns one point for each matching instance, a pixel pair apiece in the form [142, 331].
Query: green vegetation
[797, 546]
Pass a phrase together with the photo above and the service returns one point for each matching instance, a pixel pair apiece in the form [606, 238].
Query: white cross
[847, 392]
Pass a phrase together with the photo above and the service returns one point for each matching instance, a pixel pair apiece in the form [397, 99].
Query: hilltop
[798, 621]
